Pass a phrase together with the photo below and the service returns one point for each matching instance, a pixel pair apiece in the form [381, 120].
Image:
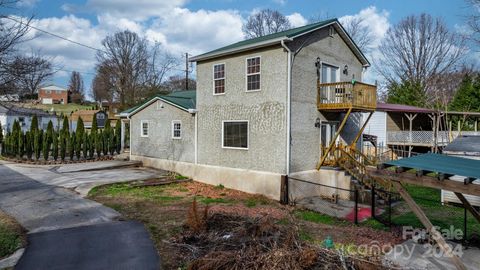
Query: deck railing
[345, 95]
[424, 138]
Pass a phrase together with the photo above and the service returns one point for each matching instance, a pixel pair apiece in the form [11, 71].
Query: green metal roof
[183, 99]
[438, 163]
[287, 33]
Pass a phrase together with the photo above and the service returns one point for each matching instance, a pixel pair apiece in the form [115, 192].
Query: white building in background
[9, 113]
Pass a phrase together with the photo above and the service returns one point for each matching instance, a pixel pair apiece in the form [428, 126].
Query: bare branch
[265, 22]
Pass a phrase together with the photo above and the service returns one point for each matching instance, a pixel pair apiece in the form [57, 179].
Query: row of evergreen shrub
[61, 144]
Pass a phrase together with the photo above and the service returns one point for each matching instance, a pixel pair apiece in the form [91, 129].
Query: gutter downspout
[129, 138]
[289, 88]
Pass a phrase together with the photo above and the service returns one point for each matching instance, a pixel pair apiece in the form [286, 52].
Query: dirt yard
[12, 235]
[199, 226]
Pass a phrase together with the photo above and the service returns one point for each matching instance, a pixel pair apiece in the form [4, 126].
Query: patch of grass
[250, 202]
[219, 186]
[315, 217]
[11, 235]
[375, 224]
[305, 236]
[154, 193]
[180, 177]
[214, 200]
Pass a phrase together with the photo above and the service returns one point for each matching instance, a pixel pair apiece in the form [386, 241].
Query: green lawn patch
[154, 193]
[214, 200]
[12, 235]
[312, 216]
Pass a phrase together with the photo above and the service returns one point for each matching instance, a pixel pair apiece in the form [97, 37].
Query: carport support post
[436, 235]
[373, 201]
[356, 206]
[122, 136]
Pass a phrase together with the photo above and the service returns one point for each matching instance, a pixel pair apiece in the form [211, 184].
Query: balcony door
[330, 74]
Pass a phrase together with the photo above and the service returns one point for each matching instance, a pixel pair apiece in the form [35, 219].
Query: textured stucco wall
[265, 110]
[305, 152]
[159, 143]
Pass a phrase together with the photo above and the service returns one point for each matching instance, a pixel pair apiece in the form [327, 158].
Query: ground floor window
[144, 128]
[235, 134]
[176, 129]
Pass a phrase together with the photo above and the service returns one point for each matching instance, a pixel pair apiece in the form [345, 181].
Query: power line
[53, 34]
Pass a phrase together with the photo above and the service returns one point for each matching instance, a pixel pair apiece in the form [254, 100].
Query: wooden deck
[341, 96]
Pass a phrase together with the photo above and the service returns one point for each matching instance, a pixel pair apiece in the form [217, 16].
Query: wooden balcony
[341, 96]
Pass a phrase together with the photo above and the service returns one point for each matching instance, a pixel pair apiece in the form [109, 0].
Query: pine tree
[91, 145]
[50, 131]
[106, 137]
[99, 143]
[46, 146]
[80, 131]
[407, 93]
[21, 144]
[36, 143]
[63, 146]
[118, 136]
[29, 145]
[71, 145]
[34, 124]
[54, 145]
[94, 125]
[15, 137]
[467, 97]
[85, 145]
[65, 126]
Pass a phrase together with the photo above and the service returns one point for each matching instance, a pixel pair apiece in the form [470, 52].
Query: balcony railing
[424, 138]
[345, 95]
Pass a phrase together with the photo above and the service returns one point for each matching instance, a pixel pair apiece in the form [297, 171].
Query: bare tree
[176, 83]
[125, 58]
[419, 49]
[160, 64]
[76, 88]
[359, 32]
[29, 72]
[265, 22]
[473, 20]
[103, 85]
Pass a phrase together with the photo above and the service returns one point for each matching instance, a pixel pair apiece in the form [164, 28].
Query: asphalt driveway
[67, 231]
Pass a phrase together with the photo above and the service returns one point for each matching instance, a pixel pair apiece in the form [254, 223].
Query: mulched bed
[55, 162]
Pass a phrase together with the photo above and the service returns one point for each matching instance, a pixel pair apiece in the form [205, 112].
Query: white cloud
[196, 32]
[296, 19]
[376, 21]
[135, 10]
[280, 2]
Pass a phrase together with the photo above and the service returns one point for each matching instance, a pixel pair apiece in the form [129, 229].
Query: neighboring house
[257, 113]
[9, 113]
[53, 95]
[466, 147]
[87, 118]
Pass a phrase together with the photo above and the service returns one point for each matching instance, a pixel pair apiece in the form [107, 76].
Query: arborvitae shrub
[55, 145]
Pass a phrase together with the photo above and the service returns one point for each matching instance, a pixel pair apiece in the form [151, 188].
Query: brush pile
[223, 241]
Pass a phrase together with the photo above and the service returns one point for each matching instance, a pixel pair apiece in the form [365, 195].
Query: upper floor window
[253, 74]
[219, 79]
[176, 129]
[144, 128]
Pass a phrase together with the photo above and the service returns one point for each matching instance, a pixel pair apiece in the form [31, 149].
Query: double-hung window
[253, 74]
[176, 129]
[235, 134]
[144, 128]
[219, 79]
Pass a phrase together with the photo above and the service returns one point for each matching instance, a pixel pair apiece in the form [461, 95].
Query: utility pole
[186, 71]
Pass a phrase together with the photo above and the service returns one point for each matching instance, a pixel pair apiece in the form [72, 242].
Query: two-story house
[53, 94]
[263, 108]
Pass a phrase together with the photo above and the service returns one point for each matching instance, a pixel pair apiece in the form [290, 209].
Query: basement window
[219, 79]
[235, 134]
[253, 74]
[176, 129]
[144, 128]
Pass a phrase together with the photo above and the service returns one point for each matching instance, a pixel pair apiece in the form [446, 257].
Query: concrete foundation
[256, 182]
[329, 177]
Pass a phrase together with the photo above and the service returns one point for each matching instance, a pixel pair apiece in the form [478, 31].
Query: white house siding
[305, 144]
[159, 143]
[450, 197]
[377, 126]
[265, 110]
[8, 120]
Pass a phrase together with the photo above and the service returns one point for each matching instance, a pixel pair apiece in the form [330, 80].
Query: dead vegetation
[199, 226]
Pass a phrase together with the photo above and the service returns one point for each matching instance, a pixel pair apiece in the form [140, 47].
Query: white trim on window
[179, 129]
[224, 78]
[141, 128]
[257, 73]
[337, 73]
[248, 135]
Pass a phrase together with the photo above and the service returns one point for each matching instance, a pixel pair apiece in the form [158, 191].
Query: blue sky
[197, 26]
